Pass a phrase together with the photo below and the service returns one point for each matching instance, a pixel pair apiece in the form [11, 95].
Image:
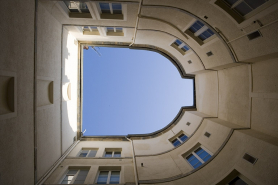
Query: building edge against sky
[229, 136]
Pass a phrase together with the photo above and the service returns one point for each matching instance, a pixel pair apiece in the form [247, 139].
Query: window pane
[196, 26]
[110, 29]
[102, 177]
[255, 4]
[193, 161]
[203, 154]
[231, 2]
[92, 153]
[83, 7]
[72, 172]
[176, 142]
[108, 154]
[178, 42]
[67, 179]
[243, 9]
[117, 8]
[117, 154]
[185, 48]
[237, 181]
[83, 152]
[119, 29]
[104, 7]
[115, 177]
[183, 137]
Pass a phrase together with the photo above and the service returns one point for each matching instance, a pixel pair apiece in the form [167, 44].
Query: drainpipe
[136, 24]
[56, 164]
[134, 162]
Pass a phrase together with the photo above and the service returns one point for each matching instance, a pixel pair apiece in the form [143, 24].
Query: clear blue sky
[130, 91]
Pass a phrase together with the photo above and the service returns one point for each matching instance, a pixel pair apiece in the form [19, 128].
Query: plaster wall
[17, 58]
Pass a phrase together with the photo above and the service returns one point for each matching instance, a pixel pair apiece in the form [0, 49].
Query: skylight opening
[129, 91]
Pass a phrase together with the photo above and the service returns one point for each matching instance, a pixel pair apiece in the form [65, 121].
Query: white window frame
[87, 153]
[113, 152]
[123, 32]
[74, 177]
[254, 15]
[195, 155]
[64, 9]
[180, 46]
[108, 177]
[177, 137]
[96, 8]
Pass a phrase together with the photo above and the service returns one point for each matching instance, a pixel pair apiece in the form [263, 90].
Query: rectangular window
[198, 157]
[111, 11]
[112, 153]
[76, 6]
[75, 176]
[239, 9]
[180, 46]
[108, 177]
[178, 139]
[114, 31]
[199, 32]
[87, 153]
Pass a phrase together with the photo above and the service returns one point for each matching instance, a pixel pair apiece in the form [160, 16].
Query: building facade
[229, 48]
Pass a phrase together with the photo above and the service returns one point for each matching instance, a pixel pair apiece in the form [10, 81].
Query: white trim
[200, 31]
[97, 10]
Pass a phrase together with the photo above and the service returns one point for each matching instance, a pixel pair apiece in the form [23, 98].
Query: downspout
[134, 162]
[136, 24]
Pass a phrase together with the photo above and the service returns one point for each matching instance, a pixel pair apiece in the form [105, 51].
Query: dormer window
[111, 11]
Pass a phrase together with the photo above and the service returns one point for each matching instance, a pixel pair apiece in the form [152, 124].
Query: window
[78, 9]
[87, 153]
[198, 157]
[108, 177]
[112, 153]
[90, 30]
[111, 11]
[235, 178]
[177, 140]
[180, 46]
[239, 9]
[199, 32]
[75, 176]
[236, 181]
[114, 31]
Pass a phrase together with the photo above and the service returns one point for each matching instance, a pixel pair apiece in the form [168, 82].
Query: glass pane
[183, 137]
[119, 29]
[117, 154]
[66, 182]
[255, 4]
[196, 26]
[237, 181]
[83, 152]
[231, 2]
[115, 177]
[178, 42]
[92, 152]
[108, 154]
[193, 161]
[243, 9]
[110, 29]
[185, 48]
[176, 142]
[203, 154]
[102, 177]
[104, 7]
[73, 172]
[117, 8]
[83, 7]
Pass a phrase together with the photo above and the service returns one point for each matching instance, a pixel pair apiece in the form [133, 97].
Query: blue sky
[127, 91]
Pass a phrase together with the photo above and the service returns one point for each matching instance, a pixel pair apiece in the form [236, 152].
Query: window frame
[195, 35]
[177, 137]
[109, 175]
[113, 152]
[192, 152]
[89, 149]
[243, 21]
[75, 175]
[115, 33]
[109, 16]
[65, 10]
[179, 47]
